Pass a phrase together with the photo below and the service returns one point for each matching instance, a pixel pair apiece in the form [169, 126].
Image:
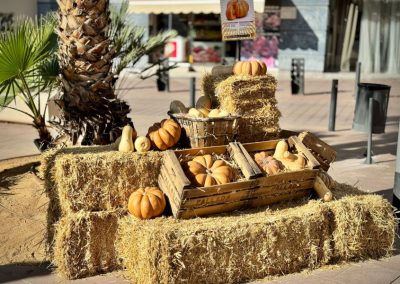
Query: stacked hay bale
[252, 97]
[88, 190]
[245, 246]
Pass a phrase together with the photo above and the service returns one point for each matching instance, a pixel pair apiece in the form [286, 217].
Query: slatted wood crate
[324, 153]
[253, 190]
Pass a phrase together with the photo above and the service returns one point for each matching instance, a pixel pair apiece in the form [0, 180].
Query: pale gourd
[214, 113]
[195, 113]
[293, 162]
[142, 144]
[203, 102]
[126, 144]
[218, 113]
[177, 107]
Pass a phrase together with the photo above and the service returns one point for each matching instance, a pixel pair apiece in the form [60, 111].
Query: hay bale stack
[252, 97]
[84, 244]
[255, 244]
[208, 84]
[85, 186]
[103, 181]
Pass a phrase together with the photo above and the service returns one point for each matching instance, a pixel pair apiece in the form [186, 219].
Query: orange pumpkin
[267, 163]
[165, 134]
[204, 171]
[236, 9]
[146, 203]
[252, 68]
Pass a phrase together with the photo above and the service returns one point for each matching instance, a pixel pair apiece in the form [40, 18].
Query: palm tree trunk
[45, 138]
[89, 104]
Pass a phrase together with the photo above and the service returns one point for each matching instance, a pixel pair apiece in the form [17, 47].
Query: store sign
[238, 19]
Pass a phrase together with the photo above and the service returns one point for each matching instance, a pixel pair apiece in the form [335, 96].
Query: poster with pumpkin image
[237, 19]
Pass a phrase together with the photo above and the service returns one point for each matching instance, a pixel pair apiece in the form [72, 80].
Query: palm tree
[92, 54]
[90, 106]
[28, 67]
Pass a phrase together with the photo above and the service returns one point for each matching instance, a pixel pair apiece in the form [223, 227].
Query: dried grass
[103, 181]
[254, 99]
[47, 171]
[93, 179]
[84, 244]
[208, 84]
[247, 245]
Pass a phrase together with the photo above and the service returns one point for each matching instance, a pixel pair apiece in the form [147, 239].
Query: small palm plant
[28, 69]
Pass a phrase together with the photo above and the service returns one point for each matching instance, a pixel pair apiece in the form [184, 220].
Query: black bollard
[193, 91]
[396, 188]
[332, 112]
[370, 128]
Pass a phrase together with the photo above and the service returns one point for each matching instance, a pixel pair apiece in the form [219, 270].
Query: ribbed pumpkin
[267, 163]
[165, 134]
[252, 68]
[236, 9]
[204, 171]
[146, 203]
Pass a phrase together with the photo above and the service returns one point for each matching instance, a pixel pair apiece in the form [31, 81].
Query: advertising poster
[237, 19]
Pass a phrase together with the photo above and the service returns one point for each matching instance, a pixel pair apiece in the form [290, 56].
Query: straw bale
[84, 244]
[103, 181]
[253, 98]
[208, 84]
[248, 245]
[46, 172]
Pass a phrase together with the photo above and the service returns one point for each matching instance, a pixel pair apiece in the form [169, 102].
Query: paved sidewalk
[308, 112]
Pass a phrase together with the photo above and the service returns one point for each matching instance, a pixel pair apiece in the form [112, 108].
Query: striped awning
[182, 6]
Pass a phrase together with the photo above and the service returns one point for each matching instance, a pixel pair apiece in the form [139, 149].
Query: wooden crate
[203, 132]
[324, 153]
[254, 190]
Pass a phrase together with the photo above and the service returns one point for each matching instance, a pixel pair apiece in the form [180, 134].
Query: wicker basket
[203, 132]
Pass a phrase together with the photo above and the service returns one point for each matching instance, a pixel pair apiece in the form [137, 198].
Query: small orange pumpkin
[165, 134]
[252, 68]
[146, 203]
[236, 9]
[267, 163]
[204, 171]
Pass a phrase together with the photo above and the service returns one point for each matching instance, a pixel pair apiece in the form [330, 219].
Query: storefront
[199, 28]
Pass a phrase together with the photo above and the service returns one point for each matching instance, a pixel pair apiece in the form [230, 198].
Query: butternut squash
[126, 144]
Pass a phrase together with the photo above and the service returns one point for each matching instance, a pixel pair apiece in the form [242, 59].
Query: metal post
[238, 50]
[358, 70]
[193, 91]
[396, 188]
[370, 126]
[332, 112]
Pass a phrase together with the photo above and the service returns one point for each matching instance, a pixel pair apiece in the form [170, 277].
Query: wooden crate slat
[218, 189]
[287, 177]
[227, 207]
[252, 163]
[172, 202]
[246, 194]
[201, 151]
[173, 193]
[319, 146]
[239, 156]
[322, 190]
[301, 148]
[175, 168]
[261, 146]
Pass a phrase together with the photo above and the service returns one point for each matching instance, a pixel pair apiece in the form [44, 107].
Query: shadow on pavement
[18, 271]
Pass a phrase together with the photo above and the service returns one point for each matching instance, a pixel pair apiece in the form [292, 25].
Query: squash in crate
[205, 171]
[267, 163]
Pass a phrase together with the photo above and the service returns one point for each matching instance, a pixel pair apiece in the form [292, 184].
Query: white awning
[182, 6]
